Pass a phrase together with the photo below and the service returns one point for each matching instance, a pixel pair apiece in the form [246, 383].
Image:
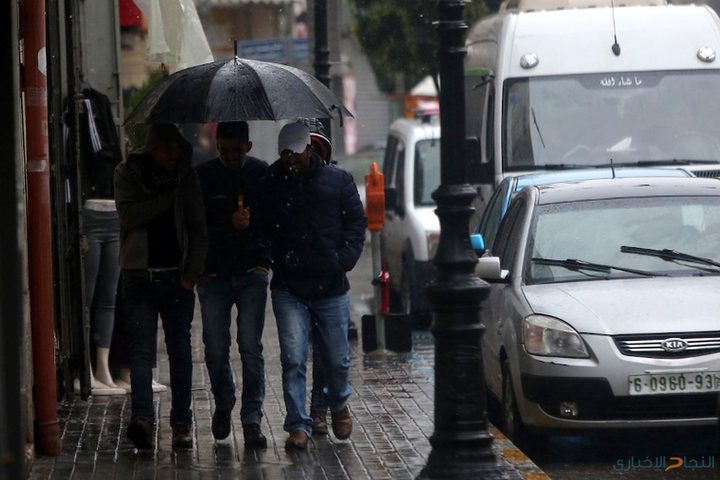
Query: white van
[560, 87]
[412, 230]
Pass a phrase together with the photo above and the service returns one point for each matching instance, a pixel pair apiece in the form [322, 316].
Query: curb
[515, 457]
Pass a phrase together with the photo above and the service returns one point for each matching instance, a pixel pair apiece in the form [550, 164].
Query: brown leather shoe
[319, 420]
[342, 423]
[140, 431]
[298, 440]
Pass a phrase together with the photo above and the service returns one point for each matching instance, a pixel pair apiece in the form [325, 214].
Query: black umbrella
[236, 89]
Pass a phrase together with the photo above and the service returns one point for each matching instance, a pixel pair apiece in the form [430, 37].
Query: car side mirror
[488, 268]
[478, 244]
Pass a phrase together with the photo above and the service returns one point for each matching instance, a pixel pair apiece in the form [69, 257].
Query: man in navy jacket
[237, 274]
[316, 226]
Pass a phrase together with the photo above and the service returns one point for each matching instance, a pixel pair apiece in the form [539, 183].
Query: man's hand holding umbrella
[241, 218]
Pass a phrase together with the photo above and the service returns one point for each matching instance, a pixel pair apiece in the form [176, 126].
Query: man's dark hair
[162, 134]
[233, 130]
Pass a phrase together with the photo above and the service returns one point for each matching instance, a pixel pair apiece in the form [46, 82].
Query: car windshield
[591, 120]
[427, 171]
[600, 232]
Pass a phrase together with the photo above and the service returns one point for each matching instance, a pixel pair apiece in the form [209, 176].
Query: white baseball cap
[294, 137]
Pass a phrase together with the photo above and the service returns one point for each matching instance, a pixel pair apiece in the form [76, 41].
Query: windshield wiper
[537, 127]
[574, 264]
[673, 256]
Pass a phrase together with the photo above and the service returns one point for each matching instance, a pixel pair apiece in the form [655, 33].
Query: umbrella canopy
[236, 89]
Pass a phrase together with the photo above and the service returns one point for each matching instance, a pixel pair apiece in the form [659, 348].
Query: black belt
[155, 274]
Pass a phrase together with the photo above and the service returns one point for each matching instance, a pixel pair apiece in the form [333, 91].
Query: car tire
[512, 424]
[408, 297]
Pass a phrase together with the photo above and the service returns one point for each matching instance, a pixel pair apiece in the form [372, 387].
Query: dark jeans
[248, 292]
[102, 230]
[143, 301]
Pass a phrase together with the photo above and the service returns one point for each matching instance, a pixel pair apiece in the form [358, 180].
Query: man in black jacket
[237, 274]
[316, 226]
[163, 243]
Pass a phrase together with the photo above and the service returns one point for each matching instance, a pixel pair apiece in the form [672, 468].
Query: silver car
[604, 309]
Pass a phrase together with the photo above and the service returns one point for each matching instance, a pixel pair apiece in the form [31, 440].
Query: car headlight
[433, 239]
[549, 336]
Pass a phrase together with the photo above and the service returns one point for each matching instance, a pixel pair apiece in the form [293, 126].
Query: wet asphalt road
[625, 455]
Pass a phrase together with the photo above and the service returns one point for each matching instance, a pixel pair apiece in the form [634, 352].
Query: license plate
[663, 384]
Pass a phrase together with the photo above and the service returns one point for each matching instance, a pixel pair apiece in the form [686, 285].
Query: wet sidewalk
[391, 404]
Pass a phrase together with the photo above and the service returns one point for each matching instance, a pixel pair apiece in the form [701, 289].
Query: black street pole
[322, 50]
[461, 443]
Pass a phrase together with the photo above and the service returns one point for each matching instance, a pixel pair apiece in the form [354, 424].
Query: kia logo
[674, 345]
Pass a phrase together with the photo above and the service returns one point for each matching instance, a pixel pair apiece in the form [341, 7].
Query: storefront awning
[130, 14]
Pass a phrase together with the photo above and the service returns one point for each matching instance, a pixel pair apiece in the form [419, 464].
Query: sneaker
[254, 437]
[221, 424]
[140, 431]
[342, 423]
[182, 436]
[298, 440]
[319, 421]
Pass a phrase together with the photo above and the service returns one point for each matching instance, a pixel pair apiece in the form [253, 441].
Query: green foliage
[400, 40]
[137, 133]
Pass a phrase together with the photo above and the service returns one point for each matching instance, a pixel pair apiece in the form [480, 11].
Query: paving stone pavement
[391, 404]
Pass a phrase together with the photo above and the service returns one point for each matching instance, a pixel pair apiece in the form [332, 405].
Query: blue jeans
[142, 302]
[317, 392]
[248, 292]
[294, 317]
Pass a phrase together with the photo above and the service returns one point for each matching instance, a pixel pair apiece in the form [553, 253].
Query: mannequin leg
[124, 375]
[101, 277]
[123, 381]
[98, 388]
[102, 382]
[102, 369]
